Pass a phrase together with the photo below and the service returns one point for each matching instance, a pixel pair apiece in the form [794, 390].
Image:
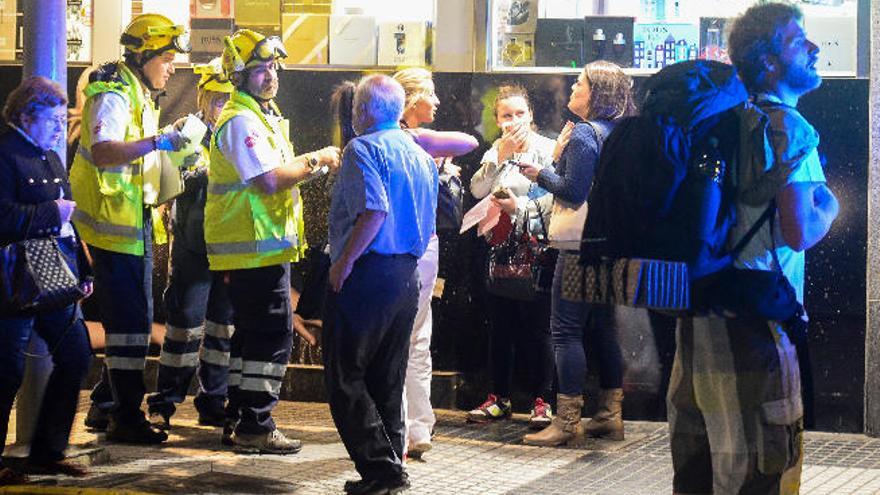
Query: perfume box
[609, 38]
[312, 7]
[306, 38]
[352, 39]
[657, 45]
[206, 36]
[8, 30]
[559, 43]
[206, 9]
[520, 16]
[517, 50]
[403, 43]
[713, 38]
[254, 14]
[836, 38]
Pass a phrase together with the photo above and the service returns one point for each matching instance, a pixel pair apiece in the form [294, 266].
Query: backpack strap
[767, 215]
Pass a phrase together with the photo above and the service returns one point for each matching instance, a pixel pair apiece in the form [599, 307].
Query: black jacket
[30, 182]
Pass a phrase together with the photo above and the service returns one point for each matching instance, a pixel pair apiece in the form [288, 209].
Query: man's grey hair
[378, 99]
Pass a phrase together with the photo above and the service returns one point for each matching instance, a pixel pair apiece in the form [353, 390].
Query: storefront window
[315, 32]
[647, 35]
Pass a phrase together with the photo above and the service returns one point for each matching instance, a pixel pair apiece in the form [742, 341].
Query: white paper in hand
[475, 214]
[194, 130]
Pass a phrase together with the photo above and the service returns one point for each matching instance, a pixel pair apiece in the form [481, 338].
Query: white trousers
[417, 389]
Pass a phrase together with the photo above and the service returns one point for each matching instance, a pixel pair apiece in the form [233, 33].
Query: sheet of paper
[475, 214]
[490, 220]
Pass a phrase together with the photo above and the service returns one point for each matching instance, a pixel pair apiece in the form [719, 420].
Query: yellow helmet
[246, 48]
[154, 34]
[213, 77]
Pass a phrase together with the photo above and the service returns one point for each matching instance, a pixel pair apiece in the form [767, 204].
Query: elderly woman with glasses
[34, 203]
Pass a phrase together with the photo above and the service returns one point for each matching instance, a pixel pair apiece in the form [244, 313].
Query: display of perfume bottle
[618, 46]
[598, 44]
[400, 39]
[649, 9]
[712, 49]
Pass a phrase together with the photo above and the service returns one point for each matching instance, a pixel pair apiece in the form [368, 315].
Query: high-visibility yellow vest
[245, 227]
[110, 200]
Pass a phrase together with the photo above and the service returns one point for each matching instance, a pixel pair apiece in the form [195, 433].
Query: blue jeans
[575, 325]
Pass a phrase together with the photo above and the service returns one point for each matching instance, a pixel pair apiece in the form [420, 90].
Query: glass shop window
[315, 32]
[647, 35]
[79, 31]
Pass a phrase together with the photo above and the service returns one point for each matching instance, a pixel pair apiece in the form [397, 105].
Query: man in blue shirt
[382, 215]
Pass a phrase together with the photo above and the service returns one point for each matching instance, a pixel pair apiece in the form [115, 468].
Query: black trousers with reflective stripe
[263, 334]
[193, 295]
[367, 327]
[124, 290]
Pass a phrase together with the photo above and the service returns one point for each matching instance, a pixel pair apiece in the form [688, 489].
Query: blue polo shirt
[385, 170]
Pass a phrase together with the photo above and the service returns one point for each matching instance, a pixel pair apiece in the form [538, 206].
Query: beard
[801, 77]
[267, 90]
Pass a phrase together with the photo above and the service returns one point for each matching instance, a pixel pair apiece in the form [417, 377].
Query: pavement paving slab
[466, 459]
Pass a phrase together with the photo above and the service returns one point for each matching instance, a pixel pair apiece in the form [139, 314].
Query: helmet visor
[269, 48]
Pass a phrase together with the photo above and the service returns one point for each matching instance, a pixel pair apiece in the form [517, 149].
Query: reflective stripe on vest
[82, 218]
[264, 246]
[245, 227]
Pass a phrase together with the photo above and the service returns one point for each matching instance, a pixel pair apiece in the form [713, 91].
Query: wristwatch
[312, 162]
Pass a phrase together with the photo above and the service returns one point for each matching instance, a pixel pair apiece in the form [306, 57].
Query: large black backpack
[662, 201]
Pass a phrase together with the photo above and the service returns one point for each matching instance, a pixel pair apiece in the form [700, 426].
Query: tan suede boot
[566, 427]
[608, 420]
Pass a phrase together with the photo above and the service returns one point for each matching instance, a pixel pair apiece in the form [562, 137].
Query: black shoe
[55, 467]
[377, 487]
[160, 420]
[97, 418]
[139, 433]
[228, 428]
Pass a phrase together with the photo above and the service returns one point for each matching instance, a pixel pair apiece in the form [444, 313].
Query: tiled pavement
[466, 459]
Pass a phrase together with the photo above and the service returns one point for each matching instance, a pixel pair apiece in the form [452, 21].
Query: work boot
[139, 433]
[272, 442]
[97, 418]
[608, 420]
[565, 428]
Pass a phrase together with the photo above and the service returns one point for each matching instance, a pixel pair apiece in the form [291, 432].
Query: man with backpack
[735, 409]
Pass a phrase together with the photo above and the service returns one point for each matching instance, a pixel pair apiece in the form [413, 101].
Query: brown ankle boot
[608, 420]
[566, 427]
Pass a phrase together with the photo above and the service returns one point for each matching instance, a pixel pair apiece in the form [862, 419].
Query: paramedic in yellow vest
[115, 181]
[198, 315]
[253, 231]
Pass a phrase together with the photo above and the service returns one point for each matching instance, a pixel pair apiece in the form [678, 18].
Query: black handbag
[35, 277]
[522, 267]
[449, 202]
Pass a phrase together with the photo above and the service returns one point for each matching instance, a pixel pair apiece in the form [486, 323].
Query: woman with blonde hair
[420, 107]
[601, 95]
